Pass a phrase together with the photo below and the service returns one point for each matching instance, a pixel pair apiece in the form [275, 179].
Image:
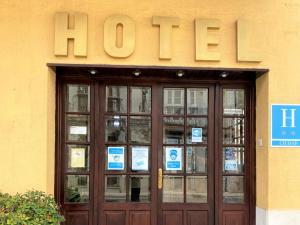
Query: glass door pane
[128, 137]
[185, 145]
[233, 146]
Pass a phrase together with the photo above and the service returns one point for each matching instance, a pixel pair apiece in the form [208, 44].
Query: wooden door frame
[71, 73]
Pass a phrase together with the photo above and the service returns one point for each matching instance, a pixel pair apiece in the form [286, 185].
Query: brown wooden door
[153, 153]
[186, 155]
[128, 162]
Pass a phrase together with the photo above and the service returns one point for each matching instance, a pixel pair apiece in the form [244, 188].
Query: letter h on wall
[63, 34]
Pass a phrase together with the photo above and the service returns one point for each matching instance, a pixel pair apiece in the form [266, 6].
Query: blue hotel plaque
[285, 122]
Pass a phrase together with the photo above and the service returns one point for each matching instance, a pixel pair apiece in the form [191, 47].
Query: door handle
[160, 179]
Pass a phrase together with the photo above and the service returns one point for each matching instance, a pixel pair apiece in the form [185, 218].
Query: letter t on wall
[166, 25]
[63, 33]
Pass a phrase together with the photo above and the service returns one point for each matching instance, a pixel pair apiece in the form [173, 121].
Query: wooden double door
[155, 153]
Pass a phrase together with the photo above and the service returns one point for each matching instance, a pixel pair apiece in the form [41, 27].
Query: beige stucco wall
[27, 93]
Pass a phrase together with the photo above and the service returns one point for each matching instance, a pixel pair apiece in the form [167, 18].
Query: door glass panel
[173, 188]
[173, 129]
[233, 131]
[77, 188]
[173, 159]
[115, 188]
[196, 189]
[174, 101]
[78, 128]
[78, 98]
[140, 101]
[127, 174]
[233, 160]
[139, 188]
[196, 159]
[140, 129]
[234, 101]
[199, 124]
[116, 99]
[116, 129]
[78, 158]
[197, 101]
[233, 189]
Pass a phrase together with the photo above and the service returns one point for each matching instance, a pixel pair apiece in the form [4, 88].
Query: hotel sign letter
[204, 39]
[63, 34]
[120, 37]
[245, 52]
[111, 38]
[166, 25]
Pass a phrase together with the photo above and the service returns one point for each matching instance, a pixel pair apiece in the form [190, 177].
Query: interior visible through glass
[140, 129]
[140, 101]
[77, 188]
[78, 98]
[115, 188]
[233, 189]
[197, 101]
[173, 188]
[196, 189]
[116, 99]
[139, 188]
[116, 129]
[234, 101]
[173, 130]
[174, 101]
[196, 159]
[233, 131]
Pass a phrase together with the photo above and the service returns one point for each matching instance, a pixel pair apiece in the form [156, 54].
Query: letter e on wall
[206, 37]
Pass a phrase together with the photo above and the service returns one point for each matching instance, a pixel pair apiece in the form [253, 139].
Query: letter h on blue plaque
[285, 125]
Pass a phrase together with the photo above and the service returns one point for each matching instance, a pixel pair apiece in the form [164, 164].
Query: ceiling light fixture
[136, 73]
[93, 71]
[224, 74]
[180, 73]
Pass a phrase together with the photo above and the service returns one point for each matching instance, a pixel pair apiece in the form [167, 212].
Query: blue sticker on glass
[230, 162]
[115, 158]
[173, 158]
[196, 135]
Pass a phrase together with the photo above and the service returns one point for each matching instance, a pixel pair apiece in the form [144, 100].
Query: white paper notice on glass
[173, 158]
[78, 130]
[77, 158]
[140, 158]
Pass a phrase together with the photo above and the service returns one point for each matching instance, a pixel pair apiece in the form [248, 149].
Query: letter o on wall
[110, 36]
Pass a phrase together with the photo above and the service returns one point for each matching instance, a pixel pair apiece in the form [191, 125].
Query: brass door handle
[160, 178]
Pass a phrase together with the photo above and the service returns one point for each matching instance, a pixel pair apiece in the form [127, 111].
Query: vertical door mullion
[211, 154]
[100, 140]
[217, 158]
